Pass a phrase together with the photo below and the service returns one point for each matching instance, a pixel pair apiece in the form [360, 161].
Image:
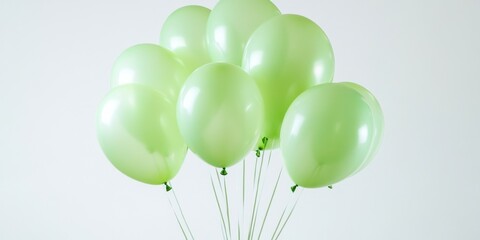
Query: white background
[420, 58]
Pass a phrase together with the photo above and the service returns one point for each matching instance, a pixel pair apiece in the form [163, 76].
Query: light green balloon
[377, 112]
[286, 56]
[328, 132]
[220, 113]
[151, 65]
[138, 132]
[230, 25]
[184, 33]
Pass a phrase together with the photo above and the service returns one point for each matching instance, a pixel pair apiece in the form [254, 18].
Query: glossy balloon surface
[377, 112]
[184, 33]
[327, 134]
[151, 65]
[230, 25]
[286, 56]
[138, 132]
[220, 113]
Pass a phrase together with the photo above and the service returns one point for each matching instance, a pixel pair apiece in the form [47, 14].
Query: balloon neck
[294, 188]
[167, 187]
[224, 172]
[264, 141]
[331, 187]
[262, 147]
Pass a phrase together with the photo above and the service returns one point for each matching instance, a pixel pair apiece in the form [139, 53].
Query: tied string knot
[262, 147]
[224, 172]
[167, 187]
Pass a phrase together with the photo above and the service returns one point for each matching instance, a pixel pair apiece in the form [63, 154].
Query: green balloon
[286, 56]
[184, 33]
[151, 65]
[377, 112]
[230, 25]
[220, 113]
[327, 134]
[138, 132]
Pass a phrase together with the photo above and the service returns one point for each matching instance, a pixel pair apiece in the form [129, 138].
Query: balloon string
[269, 157]
[181, 212]
[255, 171]
[243, 203]
[243, 188]
[224, 234]
[255, 205]
[228, 208]
[220, 186]
[238, 230]
[279, 221]
[270, 203]
[288, 216]
[219, 182]
[263, 148]
[176, 217]
[219, 207]
[243, 196]
[250, 233]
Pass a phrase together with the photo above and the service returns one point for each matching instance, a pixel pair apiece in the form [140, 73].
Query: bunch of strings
[253, 210]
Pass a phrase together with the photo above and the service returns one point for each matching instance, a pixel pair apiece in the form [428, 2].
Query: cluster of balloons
[238, 78]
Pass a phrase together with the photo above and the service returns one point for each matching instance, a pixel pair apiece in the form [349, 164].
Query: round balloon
[220, 113]
[286, 56]
[377, 113]
[151, 65]
[138, 132]
[230, 25]
[184, 33]
[327, 134]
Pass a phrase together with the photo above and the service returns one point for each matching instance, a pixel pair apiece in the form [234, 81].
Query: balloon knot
[264, 144]
[224, 172]
[264, 141]
[262, 147]
[167, 187]
[294, 187]
[331, 187]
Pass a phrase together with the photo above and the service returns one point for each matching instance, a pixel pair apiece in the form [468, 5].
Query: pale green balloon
[220, 113]
[151, 65]
[138, 132]
[230, 25]
[286, 56]
[377, 112]
[327, 134]
[184, 33]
